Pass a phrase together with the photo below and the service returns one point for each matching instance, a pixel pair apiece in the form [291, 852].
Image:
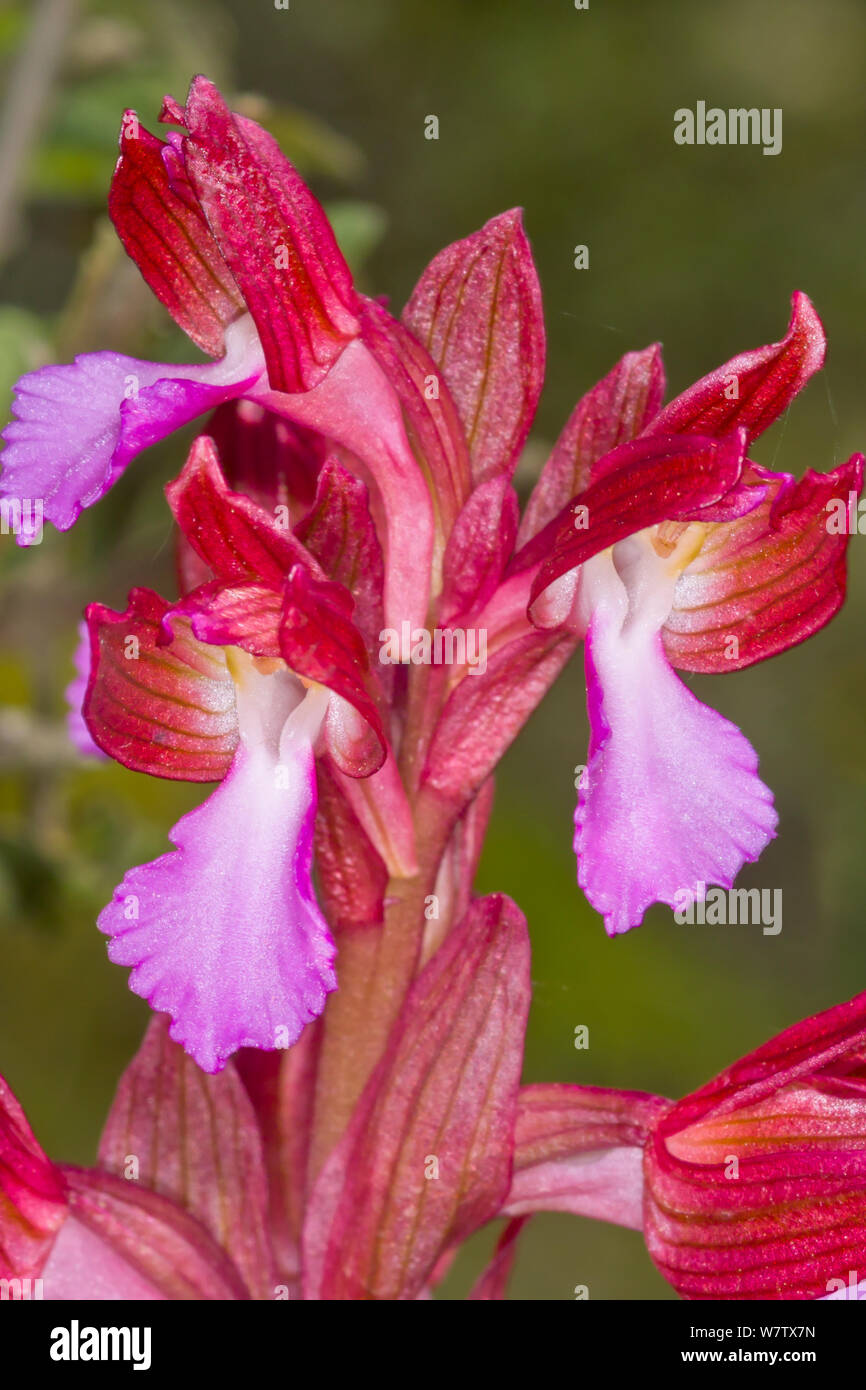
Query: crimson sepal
[560, 1121]
[319, 641]
[754, 388]
[267, 457]
[274, 236]
[771, 578]
[641, 484]
[234, 537]
[340, 533]
[167, 1111]
[479, 548]
[166, 709]
[579, 1149]
[231, 615]
[163, 229]
[612, 413]
[492, 1285]
[281, 1085]
[477, 311]
[756, 1183]
[485, 712]
[432, 424]
[163, 1243]
[352, 876]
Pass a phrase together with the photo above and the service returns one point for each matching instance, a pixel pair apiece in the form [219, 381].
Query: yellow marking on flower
[679, 542]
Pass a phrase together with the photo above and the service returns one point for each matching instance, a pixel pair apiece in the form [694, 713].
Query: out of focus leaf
[70, 171]
[12, 24]
[359, 228]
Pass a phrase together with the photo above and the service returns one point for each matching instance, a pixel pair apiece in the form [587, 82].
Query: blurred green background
[569, 114]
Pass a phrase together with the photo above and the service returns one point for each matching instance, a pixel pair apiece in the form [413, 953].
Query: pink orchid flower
[236, 247]
[649, 532]
[356, 480]
[673, 550]
[239, 680]
[687, 550]
[263, 677]
[750, 1188]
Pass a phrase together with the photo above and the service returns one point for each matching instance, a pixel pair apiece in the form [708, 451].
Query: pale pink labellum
[224, 933]
[670, 800]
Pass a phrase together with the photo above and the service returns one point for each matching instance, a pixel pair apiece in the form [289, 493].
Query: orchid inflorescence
[327, 1101]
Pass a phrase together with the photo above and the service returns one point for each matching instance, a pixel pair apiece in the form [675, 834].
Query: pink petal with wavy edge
[672, 797]
[77, 426]
[224, 933]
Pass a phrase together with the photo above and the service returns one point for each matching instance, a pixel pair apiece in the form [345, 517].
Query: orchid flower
[354, 1124]
[750, 1188]
[238, 681]
[236, 247]
[675, 550]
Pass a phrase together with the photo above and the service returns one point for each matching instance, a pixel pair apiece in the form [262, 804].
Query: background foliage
[569, 114]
